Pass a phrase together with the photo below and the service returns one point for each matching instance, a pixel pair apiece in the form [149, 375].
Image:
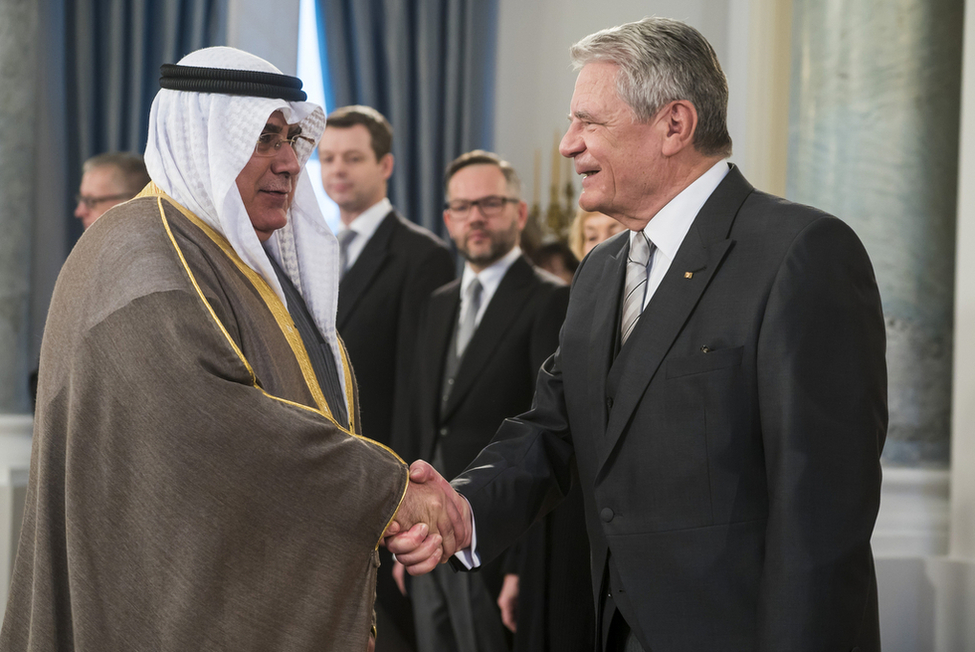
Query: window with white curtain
[310, 72]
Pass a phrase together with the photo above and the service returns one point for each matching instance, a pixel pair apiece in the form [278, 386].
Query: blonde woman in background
[589, 229]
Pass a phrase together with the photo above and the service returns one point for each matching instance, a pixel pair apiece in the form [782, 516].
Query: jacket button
[443, 432]
[609, 402]
[606, 514]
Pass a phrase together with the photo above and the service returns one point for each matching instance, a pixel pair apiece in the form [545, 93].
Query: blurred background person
[107, 180]
[389, 266]
[482, 339]
[557, 258]
[590, 228]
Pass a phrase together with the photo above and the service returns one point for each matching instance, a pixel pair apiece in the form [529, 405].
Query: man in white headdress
[199, 480]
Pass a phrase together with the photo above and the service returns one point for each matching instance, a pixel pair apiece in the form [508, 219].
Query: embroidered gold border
[283, 319]
[271, 299]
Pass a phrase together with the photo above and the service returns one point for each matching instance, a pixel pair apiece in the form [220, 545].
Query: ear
[522, 215]
[680, 123]
[386, 164]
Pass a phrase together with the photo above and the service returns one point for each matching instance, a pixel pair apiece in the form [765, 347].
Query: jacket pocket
[702, 362]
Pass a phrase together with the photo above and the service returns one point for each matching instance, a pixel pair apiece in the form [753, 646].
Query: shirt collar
[668, 227]
[489, 277]
[368, 221]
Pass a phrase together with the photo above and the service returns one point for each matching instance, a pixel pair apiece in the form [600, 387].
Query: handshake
[433, 522]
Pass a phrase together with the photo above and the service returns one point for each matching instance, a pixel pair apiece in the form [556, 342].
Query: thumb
[394, 528]
[421, 472]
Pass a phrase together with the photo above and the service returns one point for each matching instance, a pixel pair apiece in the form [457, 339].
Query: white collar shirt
[668, 228]
[490, 279]
[365, 226]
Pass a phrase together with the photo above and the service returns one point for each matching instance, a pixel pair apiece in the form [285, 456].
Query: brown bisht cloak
[189, 489]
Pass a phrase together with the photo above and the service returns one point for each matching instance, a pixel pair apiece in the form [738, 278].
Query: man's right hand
[431, 500]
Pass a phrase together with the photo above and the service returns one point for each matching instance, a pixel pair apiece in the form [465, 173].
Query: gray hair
[130, 169]
[662, 60]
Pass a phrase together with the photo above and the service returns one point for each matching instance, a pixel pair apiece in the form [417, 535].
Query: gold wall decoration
[561, 201]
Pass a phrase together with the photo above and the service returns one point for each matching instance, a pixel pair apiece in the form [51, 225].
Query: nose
[478, 214]
[80, 210]
[286, 162]
[572, 143]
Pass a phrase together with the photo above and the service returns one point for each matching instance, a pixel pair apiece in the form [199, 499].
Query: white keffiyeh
[198, 144]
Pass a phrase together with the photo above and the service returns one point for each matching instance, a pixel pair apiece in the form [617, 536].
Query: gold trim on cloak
[285, 323]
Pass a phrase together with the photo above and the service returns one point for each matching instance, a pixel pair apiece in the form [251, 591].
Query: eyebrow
[271, 128]
[585, 116]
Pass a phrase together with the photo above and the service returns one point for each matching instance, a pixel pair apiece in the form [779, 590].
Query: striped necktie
[637, 274]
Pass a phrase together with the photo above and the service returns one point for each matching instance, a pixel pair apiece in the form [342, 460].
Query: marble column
[18, 139]
[18, 72]
[963, 407]
[873, 139]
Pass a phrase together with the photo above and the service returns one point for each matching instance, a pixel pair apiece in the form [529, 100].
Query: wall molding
[15, 444]
[914, 513]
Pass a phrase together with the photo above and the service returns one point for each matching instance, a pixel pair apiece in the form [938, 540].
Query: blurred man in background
[107, 180]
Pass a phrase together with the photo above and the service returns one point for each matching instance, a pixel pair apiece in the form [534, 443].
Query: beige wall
[534, 79]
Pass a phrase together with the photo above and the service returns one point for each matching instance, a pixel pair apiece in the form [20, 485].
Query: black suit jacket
[729, 455]
[496, 377]
[380, 299]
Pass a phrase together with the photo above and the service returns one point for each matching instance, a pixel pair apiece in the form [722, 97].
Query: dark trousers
[620, 637]
[455, 611]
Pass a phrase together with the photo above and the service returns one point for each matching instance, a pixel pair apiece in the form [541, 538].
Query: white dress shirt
[490, 279]
[668, 228]
[365, 226]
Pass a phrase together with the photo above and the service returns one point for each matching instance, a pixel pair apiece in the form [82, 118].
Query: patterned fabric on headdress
[198, 144]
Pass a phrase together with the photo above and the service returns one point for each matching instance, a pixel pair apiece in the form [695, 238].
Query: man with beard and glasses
[199, 477]
[482, 340]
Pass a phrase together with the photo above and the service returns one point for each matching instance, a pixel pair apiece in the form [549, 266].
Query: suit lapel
[702, 251]
[442, 314]
[602, 337]
[367, 266]
[506, 304]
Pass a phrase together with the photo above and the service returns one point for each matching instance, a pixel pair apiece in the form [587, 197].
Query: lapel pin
[688, 274]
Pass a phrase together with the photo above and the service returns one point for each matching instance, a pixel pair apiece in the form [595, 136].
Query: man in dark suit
[389, 266]
[720, 382]
[482, 340]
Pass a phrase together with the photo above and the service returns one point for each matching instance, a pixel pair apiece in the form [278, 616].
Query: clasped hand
[432, 524]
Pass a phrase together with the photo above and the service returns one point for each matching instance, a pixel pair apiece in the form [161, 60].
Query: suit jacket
[380, 298]
[496, 377]
[729, 454]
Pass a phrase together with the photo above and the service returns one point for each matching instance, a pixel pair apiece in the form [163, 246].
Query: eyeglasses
[269, 144]
[490, 206]
[91, 202]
